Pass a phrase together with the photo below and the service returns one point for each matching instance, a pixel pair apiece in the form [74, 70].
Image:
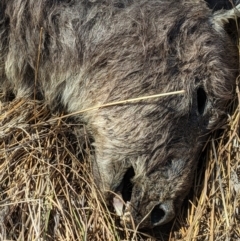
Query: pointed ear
[227, 20]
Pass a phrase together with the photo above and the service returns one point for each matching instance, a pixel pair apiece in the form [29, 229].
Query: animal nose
[162, 213]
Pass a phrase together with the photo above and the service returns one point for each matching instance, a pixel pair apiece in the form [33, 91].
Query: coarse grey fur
[99, 51]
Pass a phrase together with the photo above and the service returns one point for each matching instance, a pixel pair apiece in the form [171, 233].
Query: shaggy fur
[95, 52]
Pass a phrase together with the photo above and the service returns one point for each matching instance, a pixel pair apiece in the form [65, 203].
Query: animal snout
[162, 213]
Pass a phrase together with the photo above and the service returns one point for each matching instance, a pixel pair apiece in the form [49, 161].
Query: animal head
[96, 52]
[147, 151]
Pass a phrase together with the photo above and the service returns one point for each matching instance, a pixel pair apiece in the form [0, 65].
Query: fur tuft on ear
[222, 18]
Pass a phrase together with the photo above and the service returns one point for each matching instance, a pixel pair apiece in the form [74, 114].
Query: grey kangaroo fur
[99, 51]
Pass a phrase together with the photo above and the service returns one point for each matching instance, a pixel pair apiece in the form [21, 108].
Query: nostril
[162, 213]
[157, 215]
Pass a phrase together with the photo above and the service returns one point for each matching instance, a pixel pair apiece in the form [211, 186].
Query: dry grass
[46, 186]
[47, 190]
[213, 213]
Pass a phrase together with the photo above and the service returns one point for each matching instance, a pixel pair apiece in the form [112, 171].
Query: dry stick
[220, 184]
[124, 102]
[12, 109]
[212, 220]
[37, 66]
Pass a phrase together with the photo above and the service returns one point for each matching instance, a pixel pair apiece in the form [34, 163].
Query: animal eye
[201, 100]
[127, 184]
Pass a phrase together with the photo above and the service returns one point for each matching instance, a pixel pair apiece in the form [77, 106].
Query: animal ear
[227, 20]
